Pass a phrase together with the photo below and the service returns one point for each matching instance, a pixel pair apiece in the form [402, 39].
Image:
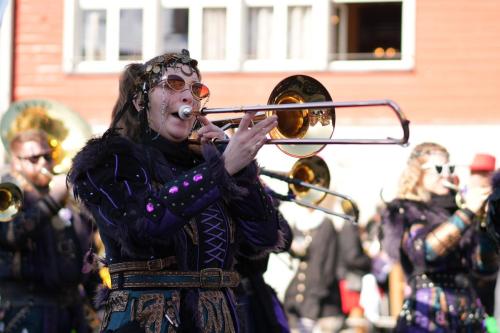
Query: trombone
[306, 117]
[308, 174]
[11, 198]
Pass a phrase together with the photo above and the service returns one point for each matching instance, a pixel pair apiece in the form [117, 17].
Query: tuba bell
[11, 198]
[66, 130]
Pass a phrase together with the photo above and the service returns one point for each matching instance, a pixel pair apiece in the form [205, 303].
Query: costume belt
[206, 278]
[150, 265]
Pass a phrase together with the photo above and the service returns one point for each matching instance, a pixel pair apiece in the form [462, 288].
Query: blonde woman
[438, 249]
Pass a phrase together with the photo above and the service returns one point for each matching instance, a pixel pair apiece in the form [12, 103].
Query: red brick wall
[456, 78]
[38, 72]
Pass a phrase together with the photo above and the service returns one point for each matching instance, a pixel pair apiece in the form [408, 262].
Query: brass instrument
[306, 117]
[308, 182]
[481, 215]
[66, 130]
[11, 199]
[459, 193]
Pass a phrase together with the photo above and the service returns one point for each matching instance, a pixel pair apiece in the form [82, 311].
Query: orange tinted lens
[200, 90]
[175, 82]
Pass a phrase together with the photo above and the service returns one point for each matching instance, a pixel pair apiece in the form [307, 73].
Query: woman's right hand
[475, 198]
[246, 142]
[58, 189]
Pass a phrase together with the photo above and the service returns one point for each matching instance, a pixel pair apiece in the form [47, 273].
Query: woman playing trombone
[172, 218]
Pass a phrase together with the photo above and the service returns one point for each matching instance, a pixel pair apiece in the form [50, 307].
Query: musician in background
[312, 298]
[41, 248]
[481, 170]
[259, 308]
[438, 250]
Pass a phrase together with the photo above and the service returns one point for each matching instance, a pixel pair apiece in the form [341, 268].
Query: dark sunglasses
[35, 158]
[177, 83]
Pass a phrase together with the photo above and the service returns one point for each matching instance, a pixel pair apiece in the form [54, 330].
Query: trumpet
[308, 183]
[11, 198]
[306, 117]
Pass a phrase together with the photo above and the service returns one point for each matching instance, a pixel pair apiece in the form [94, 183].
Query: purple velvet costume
[41, 256]
[161, 200]
[442, 298]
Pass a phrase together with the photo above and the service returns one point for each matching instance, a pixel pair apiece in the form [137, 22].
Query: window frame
[407, 61]
[236, 38]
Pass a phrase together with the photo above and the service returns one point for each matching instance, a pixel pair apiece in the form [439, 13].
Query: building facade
[438, 60]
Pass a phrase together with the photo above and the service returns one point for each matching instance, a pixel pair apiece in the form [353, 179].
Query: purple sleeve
[257, 218]
[125, 201]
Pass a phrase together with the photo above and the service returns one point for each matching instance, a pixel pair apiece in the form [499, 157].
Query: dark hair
[135, 82]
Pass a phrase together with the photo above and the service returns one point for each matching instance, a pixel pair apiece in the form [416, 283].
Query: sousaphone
[67, 130]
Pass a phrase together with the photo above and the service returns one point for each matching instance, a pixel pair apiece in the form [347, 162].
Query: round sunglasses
[177, 83]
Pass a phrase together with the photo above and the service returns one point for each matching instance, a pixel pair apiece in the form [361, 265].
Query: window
[366, 31]
[259, 33]
[242, 35]
[214, 34]
[93, 37]
[174, 29]
[299, 36]
[372, 34]
[131, 34]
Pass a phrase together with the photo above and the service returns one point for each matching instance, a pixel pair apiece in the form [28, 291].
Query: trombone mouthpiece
[450, 185]
[185, 112]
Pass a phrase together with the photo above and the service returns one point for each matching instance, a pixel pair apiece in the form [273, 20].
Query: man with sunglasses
[41, 248]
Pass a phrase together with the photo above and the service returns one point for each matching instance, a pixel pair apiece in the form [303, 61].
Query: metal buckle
[155, 265]
[211, 272]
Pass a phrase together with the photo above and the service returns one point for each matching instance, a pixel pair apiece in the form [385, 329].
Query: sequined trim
[172, 312]
[149, 313]
[214, 312]
[117, 302]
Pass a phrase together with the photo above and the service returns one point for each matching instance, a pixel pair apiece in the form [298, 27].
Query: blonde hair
[410, 184]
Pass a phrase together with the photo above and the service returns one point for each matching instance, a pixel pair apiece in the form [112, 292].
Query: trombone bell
[312, 170]
[302, 123]
[11, 198]
[308, 181]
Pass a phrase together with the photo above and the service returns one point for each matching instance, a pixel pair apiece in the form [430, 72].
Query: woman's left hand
[209, 131]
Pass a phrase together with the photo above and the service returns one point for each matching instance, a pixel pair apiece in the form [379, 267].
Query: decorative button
[173, 190]
[150, 207]
[198, 177]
